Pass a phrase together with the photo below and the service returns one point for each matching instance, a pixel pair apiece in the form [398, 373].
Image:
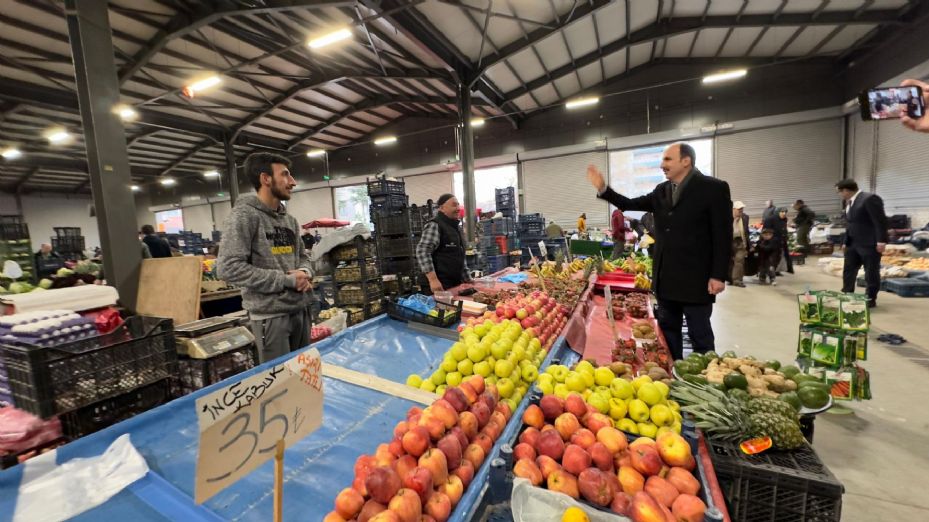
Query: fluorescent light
[477, 122]
[135, 188]
[581, 102]
[211, 174]
[11, 153]
[723, 76]
[168, 182]
[315, 153]
[330, 38]
[127, 113]
[58, 136]
[385, 140]
[201, 85]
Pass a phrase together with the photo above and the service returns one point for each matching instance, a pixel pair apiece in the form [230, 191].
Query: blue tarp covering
[355, 421]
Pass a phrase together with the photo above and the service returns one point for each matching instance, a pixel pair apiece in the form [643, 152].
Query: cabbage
[45, 284]
[62, 272]
[20, 288]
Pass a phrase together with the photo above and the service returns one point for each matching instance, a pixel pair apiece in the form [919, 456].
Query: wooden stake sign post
[245, 424]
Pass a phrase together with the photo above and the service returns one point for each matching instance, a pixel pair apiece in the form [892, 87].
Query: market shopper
[440, 252]
[769, 210]
[262, 253]
[865, 238]
[618, 231]
[804, 223]
[157, 246]
[769, 255]
[777, 222]
[740, 244]
[582, 225]
[693, 233]
[553, 231]
[47, 261]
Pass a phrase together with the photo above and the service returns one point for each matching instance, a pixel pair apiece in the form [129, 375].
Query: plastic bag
[532, 504]
[418, 302]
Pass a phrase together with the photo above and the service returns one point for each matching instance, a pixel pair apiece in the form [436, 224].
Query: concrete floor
[880, 452]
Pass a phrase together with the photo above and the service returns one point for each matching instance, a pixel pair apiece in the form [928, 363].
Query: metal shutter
[902, 173]
[787, 163]
[308, 205]
[558, 189]
[199, 218]
[221, 210]
[428, 186]
[861, 151]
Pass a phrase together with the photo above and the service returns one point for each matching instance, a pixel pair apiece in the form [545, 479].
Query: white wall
[43, 212]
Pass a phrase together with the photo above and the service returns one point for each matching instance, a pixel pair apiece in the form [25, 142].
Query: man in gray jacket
[261, 252]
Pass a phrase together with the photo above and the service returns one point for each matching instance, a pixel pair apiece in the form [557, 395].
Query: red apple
[401, 428]
[456, 398]
[583, 438]
[419, 479]
[503, 408]
[595, 487]
[547, 465]
[575, 404]
[382, 484]
[524, 451]
[439, 507]
[445, 412]
[453, 488]
[407, 505]
[621, 503]
[527, 469]
[476, 382]
[485, 442]
[551, 444]
[601, 457]
[530, 436]
[460, 435]
[414, 410]
[404, 464]
[383, 456]
[415, 441]
[465, 472]
[552, 406]
[370, 508]
[575, 459]
[434, 461]
[451, 447]
[645, 459]
[348, 503]
[396, 447]
[566, 424]
[482, 412]
[563, 482]
[533, 416]
[475, 454]
[467, 421]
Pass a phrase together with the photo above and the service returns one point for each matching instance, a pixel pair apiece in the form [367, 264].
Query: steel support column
[107, 154]
[466, 150]
[229, 149]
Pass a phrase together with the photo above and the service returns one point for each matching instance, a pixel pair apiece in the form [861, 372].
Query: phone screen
[892, 102]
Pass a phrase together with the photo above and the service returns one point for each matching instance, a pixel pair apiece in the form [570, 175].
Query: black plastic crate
[103, 414]
[367, 292]
[47, 381]
[536, 217]
[67, 231]
[399, 265]
[776, 485]
[14, 231]
[381, 185]
[68, 244]
[395, 247]
[194, 374]
[498, 227]
[496, 263]
[358, 248]
[394, 224]
[505, 198]
[907, 287]
[448, 315]
[390, 201]
[530, 228]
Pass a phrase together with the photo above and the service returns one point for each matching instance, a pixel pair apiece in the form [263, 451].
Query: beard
[280, 193]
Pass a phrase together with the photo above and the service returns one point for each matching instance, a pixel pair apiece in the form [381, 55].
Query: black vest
[449, 256]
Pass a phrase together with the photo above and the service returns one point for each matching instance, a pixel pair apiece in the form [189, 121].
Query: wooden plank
[373, 382]
[170, 287]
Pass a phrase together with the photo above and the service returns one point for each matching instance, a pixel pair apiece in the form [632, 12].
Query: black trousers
[870, 258]
[670, 319]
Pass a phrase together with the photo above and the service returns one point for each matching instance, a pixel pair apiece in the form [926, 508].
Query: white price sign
[241, 424]
[543, 250]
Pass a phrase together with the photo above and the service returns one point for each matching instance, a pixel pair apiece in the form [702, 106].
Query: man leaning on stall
[441, 250]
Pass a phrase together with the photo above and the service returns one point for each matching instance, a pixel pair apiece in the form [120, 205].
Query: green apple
[621, 388]
[547, 388]
[517, 395]
[448, 365]
[529, 373]
[505, 387]
[482, 368]
[477, 353]
[490, 379]
[584, 366]
[440, 390]
[588, 378]
[438, 377]
[453, 378]
[603, 376]
[617, 409]
[503, 368]
[498, 350]
[561, 390]
[511, 403]
[459, 351]
[559, 371]
[535, 343]
[427, 385]
[628, 425]
[414, 380]
[600, 402]
[466, 367]
[575, 381]
[519, 353]
[546, 377]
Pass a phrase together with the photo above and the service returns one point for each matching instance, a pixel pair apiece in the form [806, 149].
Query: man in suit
[739, 244]
[693, 233]
[865, 238]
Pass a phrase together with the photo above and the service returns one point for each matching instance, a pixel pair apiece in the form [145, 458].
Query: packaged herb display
[827, 348]
[805, 341]
[842, 383]
[864, 383]
[809, 308]
[830, 309]
[854, 308]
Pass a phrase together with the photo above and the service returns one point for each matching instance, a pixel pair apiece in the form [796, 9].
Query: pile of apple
[647, 480]
[535, 311]
[421, 474]
[640, 406]
[503, 353]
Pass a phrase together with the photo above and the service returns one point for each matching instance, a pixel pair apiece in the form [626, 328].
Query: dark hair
[688, 152]
[148, 229]
[259, 162]
[799, 202]
[847, 184]
[443, 198]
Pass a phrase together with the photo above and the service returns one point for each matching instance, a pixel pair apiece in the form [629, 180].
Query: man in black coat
[156, 245]
[804, 223]
[865, 238]
[693, 233]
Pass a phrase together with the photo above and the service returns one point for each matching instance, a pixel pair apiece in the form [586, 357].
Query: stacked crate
[397, 228]
[357, 280]
[15, 245]
[68, 242]
[505, 200]
[190, 242]
[498, 239]
[530, 230]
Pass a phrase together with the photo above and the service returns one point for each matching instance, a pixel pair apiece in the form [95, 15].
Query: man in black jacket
[156, 245]
[693, 233]
[804, 223]
[865, 238]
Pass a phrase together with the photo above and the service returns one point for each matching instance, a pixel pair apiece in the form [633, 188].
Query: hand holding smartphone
[882, 103]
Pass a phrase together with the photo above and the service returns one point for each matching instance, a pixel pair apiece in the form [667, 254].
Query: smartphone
[883, 103]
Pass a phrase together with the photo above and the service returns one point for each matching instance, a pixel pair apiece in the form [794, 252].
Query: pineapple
[773, 406]
[723, 417]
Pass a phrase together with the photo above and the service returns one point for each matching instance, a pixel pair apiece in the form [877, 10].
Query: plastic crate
[498, 227]
[508, 212]
[533, 228]
[67, 231]
[358, 296]
[68, 244]
[50, 380]
[822, 249]
[398, 265]
[909, 287]
[395, 247]
[448, 315]
[776, 485]
[358, 248]
[505, 197]
[390, 201]
[381, 186]
[394, 224]
[95, 417]
[14, 231]
[194, 374]
[496, 263]
[356, 273]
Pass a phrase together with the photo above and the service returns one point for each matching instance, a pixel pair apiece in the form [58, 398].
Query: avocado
[735, 380]
[813, 397]
[792, 399]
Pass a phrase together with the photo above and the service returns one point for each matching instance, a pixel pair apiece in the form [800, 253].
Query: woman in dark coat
[777, 222]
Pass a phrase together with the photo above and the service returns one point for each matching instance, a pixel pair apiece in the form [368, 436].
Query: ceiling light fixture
[330, 38]
[201, 85]
[58, 136]
[315, 153]
[211, 174]
[167, 182]
[135, 188]
[477, 122]
[723, 76]
[127, 113]
[385, 141]
[581, 102]
[11, 153]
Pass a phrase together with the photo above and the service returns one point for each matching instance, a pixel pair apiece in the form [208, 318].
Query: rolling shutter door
[558, 189]
[427, 186]
[312, 204]
[802, 161]
[199, 218]
[221, 211]
[861, 141]
[902, 174]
